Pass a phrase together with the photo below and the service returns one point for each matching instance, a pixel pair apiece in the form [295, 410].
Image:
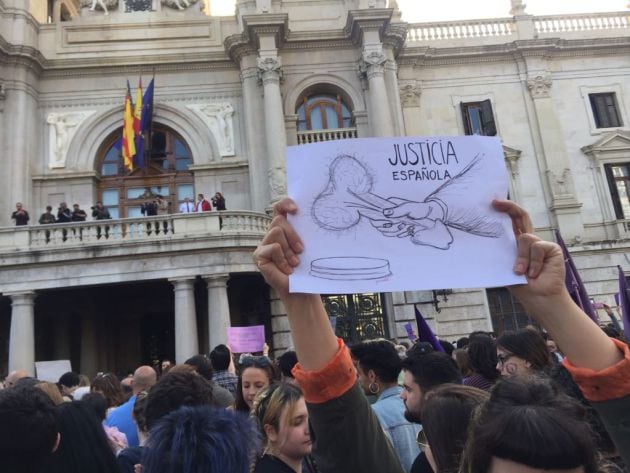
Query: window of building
[323, 112]
[605, 110]
[478, 118]
[619, 183]
[162, 171]
[506, 311]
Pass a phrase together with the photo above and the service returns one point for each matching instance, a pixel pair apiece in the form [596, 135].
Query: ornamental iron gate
[357, 317]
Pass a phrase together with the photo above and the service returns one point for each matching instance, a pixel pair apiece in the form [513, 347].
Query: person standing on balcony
[99, 212]
[218, 201]
[186, 207]
[20, 215]
[63, 213]
[78, 214]
[202, 204]
[162, 206]
[47, 217]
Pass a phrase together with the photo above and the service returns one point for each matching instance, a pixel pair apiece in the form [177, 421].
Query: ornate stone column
[270, 73]
[372, 65]
[186, 337]
[410, 93]
[22, 333]
[556, 164]
[218, 309]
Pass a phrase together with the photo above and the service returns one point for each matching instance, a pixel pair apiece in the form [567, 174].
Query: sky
[416, 11]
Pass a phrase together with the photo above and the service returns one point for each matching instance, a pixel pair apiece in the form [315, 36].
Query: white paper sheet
[51, 371]
[405, 213]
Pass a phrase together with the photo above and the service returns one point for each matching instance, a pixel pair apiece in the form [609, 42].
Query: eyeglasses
[255, 361]
[503, 358]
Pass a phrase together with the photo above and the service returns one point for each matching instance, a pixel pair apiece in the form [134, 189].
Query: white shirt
[186, 208]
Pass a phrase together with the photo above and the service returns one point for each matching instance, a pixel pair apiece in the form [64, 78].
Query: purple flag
[574, 284]
[425, 334]
[624, 302]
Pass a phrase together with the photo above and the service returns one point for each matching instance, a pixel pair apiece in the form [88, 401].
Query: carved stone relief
[539, 86]
[62, 128]
[218, 117]
[410, 93]
[179, 4]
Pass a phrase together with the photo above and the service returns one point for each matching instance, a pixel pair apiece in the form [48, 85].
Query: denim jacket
[390, 411]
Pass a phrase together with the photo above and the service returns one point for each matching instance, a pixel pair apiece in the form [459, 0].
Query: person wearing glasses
[256, 374]
[521, 353]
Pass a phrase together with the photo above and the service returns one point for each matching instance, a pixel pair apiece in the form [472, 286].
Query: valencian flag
[128, 135]
[137, 118]
[574, 282]
[425, 334]
[624, 302]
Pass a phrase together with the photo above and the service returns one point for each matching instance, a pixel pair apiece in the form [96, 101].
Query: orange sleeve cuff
[607, 384]
[330, 382]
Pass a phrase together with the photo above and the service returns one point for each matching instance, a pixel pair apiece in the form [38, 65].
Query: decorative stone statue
[102, 4]
[62, 129]
[518, 8]
[219, 118]
[179, 4]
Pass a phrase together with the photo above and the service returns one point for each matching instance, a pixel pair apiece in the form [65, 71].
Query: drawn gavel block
[348, 196]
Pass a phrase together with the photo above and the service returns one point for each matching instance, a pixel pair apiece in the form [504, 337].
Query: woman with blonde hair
[281, 415]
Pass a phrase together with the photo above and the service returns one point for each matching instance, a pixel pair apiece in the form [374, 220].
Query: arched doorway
[164, 171]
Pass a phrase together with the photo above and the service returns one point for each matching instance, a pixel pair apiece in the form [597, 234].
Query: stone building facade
[231, 93]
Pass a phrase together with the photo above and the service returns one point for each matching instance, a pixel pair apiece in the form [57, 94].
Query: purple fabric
[574, 282]
[425, 334]
[624, 302]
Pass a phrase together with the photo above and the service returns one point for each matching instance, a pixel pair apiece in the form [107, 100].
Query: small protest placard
[410, 335]
[396, 214]
[246, 339]
[51, 371]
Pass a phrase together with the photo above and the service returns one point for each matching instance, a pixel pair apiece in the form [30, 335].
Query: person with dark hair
[521, 353]
[462, 342]
[447, 346]
[131, 456]
[446, 413]
[256, 373]
[378, 366]
[221, 359]
[221, 396]
[69, 382]
[483, 362]
[420, 348]
[530, 425]
[173, 390]
[108, 385]
[47, 217]
[286, 362]
[29, 431]
[282, 418]
[83, 446]
[97, 403]
[200, 438]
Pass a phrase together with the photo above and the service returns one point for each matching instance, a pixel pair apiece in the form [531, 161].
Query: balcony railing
[142, 230]
[305, 137]
[580, 22]
[463, 29]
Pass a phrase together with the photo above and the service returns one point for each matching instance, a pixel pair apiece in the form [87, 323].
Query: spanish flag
[128, 142]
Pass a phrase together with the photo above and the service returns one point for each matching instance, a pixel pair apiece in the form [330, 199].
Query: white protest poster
[404, 213]
[51, 371]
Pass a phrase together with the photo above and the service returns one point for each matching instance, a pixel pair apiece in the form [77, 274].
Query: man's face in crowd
[412, 397]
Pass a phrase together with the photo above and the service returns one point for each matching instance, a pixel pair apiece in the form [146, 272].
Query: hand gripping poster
[396, 214]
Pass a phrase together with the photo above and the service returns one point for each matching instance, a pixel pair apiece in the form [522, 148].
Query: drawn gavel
[348, 196]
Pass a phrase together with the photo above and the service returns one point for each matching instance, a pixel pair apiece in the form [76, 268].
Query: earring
[374, 388]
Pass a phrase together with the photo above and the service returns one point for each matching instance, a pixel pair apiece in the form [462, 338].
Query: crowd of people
[553, 397]
[157, 205]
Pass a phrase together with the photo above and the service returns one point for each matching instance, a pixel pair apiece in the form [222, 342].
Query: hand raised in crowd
[277, 254]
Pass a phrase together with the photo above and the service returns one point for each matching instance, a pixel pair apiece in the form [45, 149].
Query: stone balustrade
[558, 24]
[496, 30]
[142, 230]
[305, 137]
[461, 29]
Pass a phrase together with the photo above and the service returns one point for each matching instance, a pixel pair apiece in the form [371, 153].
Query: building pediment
[610, 142]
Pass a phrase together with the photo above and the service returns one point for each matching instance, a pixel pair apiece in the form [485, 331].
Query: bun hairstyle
[529, 421]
